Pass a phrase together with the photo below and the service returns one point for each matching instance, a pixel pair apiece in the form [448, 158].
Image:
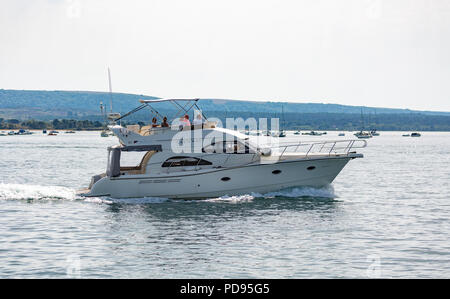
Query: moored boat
[363, 135]
[313, 133]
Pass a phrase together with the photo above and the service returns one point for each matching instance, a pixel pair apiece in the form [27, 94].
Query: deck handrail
[330, 146]
[334, 145]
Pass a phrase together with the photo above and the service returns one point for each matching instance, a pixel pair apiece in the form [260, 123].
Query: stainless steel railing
[328, 147]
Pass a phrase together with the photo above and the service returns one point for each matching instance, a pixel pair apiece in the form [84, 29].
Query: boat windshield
[228, 147]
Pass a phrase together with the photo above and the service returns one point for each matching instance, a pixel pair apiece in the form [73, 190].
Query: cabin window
[184, 161]
[227, 147]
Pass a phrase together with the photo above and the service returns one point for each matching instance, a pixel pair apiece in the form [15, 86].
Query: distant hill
[25, 104]
[84, 105]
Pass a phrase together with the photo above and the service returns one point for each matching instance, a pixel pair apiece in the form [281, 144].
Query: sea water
[385, 216]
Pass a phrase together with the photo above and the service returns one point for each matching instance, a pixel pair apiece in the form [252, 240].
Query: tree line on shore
[287, 121]
[56, 124]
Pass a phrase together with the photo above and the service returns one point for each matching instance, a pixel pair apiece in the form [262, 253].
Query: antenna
[110, 90]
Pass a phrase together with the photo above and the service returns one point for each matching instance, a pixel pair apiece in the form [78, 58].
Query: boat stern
[96, 187]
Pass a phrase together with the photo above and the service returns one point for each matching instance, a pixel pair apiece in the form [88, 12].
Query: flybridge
[182, 105]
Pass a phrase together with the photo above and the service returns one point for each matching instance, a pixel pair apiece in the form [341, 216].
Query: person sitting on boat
[185, 121]
[154, 122]
[164, 123]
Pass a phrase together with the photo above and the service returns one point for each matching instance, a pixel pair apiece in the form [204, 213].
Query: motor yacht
[207, 161]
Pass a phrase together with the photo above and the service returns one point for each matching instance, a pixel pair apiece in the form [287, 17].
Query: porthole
[276, 171]
[225, 179]
[311, 167]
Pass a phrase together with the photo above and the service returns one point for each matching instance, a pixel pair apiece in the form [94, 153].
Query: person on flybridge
[164, 123]
[198, 120]
[185, 121]
[154, 122]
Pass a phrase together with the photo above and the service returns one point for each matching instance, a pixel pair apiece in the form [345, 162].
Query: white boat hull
[213, 183]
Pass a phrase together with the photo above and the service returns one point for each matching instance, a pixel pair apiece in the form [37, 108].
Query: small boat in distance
[341, 134]
[363, 135]
[70, 132]
[24, 132]
[44, 131]
[374, 133]
[53, 133]
[314, 133]
[415, 134]
[297, 133]
[111, 117]
[280, 134]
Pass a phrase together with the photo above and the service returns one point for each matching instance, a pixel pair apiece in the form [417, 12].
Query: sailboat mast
[362, 120]
[110, 90]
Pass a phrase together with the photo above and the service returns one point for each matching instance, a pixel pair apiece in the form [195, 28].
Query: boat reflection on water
[297, 200]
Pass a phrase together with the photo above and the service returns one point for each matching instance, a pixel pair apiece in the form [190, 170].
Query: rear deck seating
[134, 128]
[141, 168]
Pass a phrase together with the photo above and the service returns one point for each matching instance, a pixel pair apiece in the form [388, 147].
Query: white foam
[326, 192]
[97, 200]
[140, 200]
[35, 192]
[38, 192]
[233, 199]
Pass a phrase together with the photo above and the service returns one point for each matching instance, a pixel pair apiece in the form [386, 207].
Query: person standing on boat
[198, 120]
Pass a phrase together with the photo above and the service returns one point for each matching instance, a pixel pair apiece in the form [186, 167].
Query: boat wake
[324, 192]
[39, 192]
[43, 193]
[297, 192]
[141, 200]
[35, 192]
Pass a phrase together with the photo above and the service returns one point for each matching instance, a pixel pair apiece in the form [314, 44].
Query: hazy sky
[391, 53]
